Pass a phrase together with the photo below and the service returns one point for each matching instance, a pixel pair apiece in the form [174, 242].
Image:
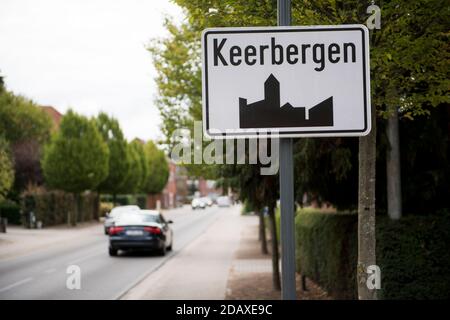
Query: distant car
[115, 212]
[198, 203]
[223, 201]
[207, 201]
[141, 230]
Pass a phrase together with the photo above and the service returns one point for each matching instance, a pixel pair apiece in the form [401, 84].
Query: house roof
[54, 114]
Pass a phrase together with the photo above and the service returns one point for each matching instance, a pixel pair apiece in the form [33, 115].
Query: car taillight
[153, 230]
[115, 230]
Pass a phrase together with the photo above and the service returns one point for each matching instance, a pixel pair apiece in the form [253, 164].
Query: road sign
[296, 81]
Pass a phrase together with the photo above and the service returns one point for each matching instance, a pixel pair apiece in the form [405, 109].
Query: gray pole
[287, 193]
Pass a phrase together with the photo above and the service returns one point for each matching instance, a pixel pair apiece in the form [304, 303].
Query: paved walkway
[250, 275]
[200, 270]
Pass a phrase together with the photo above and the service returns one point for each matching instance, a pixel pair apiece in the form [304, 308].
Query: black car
[141, 230]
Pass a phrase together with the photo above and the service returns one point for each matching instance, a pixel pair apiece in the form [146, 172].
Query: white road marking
[48, 271]
[16, 284]
[87, 257]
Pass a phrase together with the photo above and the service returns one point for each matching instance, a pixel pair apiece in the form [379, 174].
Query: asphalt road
[42, 274]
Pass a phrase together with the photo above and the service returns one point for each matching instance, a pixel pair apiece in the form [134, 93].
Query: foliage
[27, 164]
[6, 169]
[105, 207]
[326, 251]
[425, 163]
[412, 254]
[132, 181]
[247, 208]
[119, 157]
[77, 157]
[409, 70]
[2, 84]
[21, 119]
[176, 57]
[414, 257]
[138, 147]
[158, 172]
[56, 207]
[26, 127]
[409, 54]
[11, 211]
[326, 170]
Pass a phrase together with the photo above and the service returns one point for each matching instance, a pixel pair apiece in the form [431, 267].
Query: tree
[409, 71]
[76, 159]
[138, 146]
[261, 192]
[6, 169]
[21, 119]
[409, 55]
[158, 169]
[393, 168]
[132, 181]
[2, 84]
[119, 157]
[26, 127]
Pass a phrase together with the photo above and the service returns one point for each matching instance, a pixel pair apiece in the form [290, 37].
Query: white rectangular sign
[293, 81]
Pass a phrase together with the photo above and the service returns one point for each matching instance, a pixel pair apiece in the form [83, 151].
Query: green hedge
[126, 199]
[326, 251]
[415, 257]
[55, 207]
[11, 211]
[413, 254]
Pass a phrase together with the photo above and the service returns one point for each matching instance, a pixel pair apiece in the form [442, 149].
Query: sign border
[273, 133]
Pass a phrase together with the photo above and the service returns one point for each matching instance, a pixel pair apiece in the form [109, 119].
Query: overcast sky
[86, 54]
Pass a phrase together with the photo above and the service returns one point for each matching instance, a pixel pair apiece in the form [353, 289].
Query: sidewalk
[200, 270]
[250, 276]
[225, 262]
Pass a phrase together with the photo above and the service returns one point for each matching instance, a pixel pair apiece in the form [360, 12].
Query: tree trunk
[262, 232]
[393, 173]
[114, 199]
[366, 211]
[275, 251]
[96, 206]
[79, 216]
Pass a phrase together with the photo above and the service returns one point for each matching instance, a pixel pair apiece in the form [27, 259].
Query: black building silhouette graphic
[267, 113]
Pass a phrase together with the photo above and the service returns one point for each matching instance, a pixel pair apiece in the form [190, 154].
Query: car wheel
[162, 251]
[169, 248]
[112, 252]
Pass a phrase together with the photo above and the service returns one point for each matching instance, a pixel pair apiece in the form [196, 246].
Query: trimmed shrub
[247, 208]
[415, 257]
[56, 207]
[326, 251]
[141, 201]
[105, 207]
[413, 254]
[121, 199]
[11, 211]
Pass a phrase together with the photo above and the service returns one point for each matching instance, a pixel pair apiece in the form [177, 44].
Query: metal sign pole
[287, 192]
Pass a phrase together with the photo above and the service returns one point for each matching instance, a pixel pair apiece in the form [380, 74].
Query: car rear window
[139, 218]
